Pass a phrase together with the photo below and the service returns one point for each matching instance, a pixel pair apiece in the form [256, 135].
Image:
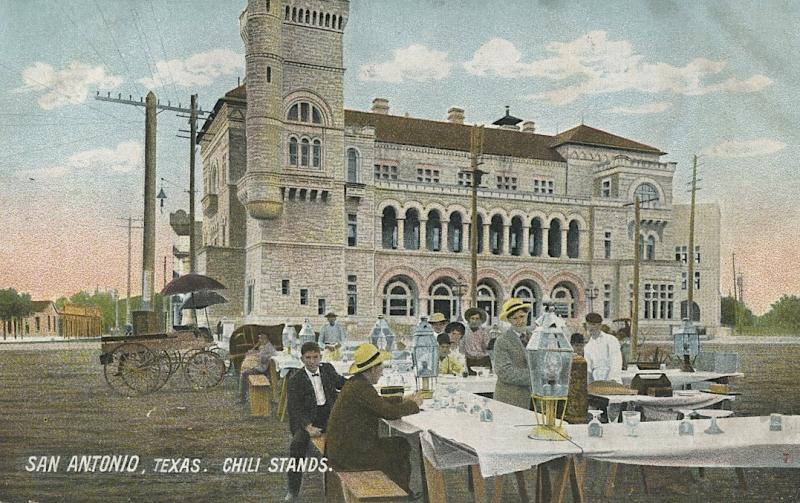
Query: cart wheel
[165, 363]
[175, 361]
[134, 369]
[204, 369]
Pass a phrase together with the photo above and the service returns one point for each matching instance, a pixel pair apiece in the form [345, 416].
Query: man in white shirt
[602, 353]
[331, 338]
[310, 397]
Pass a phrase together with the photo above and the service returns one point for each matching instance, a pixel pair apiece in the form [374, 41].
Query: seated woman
[265, 351]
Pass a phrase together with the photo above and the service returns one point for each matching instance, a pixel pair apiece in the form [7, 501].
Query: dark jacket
[352, 439]
[301, 402]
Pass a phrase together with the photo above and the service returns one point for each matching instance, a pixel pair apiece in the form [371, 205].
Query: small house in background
[42, 322]
[80, 321]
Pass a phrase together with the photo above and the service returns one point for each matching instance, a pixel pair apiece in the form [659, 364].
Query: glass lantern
[425, 354]
[288, 337]
[382, 336]
[686, 344]
[549, 356]
[306, 333]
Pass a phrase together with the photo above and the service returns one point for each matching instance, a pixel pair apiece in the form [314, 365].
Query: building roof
[585, 135]
[40, 305]
[507, 119]
[451, 136]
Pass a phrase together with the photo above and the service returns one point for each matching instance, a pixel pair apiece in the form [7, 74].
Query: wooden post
[690, 252]
[636, 258]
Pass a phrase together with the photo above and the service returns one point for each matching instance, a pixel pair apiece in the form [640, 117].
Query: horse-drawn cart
[144, 363]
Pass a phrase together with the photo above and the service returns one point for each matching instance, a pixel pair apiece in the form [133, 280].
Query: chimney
[528, 127]
[380, 106]
[455, 115]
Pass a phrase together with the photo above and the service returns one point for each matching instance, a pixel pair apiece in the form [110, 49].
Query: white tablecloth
[499, 447]
[285, 362]
[746, 442]
[661, 408]
[677, 378]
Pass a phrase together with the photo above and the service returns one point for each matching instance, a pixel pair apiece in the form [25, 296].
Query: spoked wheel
[166, 365]
[175, 361]
[133, 369]
[204, 369]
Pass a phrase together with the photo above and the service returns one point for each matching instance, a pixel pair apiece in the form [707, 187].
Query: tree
[728, 313]
[14, 306]
[784, 314]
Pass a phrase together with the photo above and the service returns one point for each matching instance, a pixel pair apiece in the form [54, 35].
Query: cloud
[196, 70]
[70, 86]
[744, 148]
[123, 158]
[647, 108]
[600, 66]
[415, 62]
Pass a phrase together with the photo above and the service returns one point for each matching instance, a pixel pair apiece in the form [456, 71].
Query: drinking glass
[487, 415]
[686, 427]
[475, 407]
[452, 389]
[713, 427]
[631, 418]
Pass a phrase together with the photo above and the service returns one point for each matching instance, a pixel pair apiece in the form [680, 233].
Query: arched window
[293, 151]
[269, 74]
[535, 238]
[487, 299]
[389, 228]
[314, 17]
[525, 292]
[352, 165]
[317, 153]
[442, 299]
[213, 188]
[573, 240]
[327, 20]
[304, 111]
[564, 299]
[411, 230]
[294, 14]
[554, 239]
[286, 16]
[340, 22]
[321, 18]
[648, 195]
[400, 297]
[304, 150]
[455, 233]
[308, 17]
[695, 310]
[515, 236]
[333, 21]
[433, 231]
[496, 235]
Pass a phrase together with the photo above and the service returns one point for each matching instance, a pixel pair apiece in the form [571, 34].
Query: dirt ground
[56, 403]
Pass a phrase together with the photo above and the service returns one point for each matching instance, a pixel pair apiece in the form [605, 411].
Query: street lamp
[382, 336]
[592, 293]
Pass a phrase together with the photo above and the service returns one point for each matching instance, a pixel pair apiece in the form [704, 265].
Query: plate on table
[686, 392]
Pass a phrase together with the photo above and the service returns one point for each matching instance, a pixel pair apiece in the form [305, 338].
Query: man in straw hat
[352, 441]
[510, 364]
[602, 352]
[475, 343]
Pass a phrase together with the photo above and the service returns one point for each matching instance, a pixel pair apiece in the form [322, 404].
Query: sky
[717, 79]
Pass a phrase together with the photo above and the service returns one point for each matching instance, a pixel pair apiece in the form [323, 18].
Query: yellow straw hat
[511, 306]
[367, 356]
[437, 318]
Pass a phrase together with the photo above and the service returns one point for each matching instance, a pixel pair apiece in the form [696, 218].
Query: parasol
[203, 298]
[191, 282]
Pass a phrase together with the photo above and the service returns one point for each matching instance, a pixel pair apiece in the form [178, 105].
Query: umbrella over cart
[201, 289]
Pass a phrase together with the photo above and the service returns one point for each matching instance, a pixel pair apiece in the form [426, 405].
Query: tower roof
[507, 119]
[585, 135]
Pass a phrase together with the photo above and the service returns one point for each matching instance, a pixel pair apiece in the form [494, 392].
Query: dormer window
[304, 112]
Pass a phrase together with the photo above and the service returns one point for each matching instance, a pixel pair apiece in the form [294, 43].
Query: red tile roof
[585, 135]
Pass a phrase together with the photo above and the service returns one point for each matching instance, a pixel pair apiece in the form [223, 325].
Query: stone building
[309, 207]
[80, 321]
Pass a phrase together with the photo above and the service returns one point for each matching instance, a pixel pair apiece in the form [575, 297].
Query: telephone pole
[192, 140]
[637, 243]
[690, 252]
[735, 297]
[128, 297]
[475, 150]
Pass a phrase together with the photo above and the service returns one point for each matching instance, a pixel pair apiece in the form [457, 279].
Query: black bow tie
[313, 375]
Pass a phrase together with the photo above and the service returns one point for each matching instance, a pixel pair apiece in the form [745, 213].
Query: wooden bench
[260, 398]
[367, 486]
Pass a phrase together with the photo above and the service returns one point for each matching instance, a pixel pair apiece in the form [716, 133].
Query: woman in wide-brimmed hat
[352, 441]
[475, 343]
[510, 364]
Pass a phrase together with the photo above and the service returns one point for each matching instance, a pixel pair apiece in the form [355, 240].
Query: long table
[678, 378]
[660, 408]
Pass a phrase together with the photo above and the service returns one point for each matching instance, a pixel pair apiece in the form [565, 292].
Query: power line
[83, 36]
[163, 49]
[145, 45]
[116, 44]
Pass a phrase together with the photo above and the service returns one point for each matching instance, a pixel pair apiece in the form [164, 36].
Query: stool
[260, 403]
[366, 486]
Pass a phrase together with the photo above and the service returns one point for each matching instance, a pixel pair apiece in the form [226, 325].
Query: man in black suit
[311, 393]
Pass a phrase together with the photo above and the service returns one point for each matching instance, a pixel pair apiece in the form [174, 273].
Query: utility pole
[128, 297]
[475, 150]
[194, 113]
[636, 257]
[149, 240]
[690, 252]
[735, 298]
